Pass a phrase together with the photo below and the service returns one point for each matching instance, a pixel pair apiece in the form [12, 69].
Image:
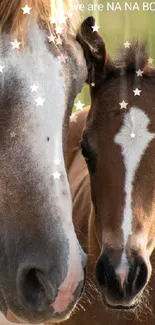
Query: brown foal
[113, 189]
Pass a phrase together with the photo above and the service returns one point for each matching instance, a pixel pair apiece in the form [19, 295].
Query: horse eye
[89, 154]
[85, 149]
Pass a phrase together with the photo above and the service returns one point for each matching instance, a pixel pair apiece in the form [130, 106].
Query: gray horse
[41, 262]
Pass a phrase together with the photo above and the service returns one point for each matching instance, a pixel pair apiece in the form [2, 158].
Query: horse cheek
[93, 243]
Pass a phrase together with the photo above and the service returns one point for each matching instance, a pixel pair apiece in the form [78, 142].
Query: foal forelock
[134, 139]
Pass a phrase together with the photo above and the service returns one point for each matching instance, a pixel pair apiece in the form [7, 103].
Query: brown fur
[91, 310]
[80, 183]
[114, 82]
[133, 58]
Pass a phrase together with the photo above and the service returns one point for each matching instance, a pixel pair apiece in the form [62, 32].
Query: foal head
[42, 264]
[119, 147]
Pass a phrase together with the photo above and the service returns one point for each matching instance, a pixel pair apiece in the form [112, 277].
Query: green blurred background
[117, 27]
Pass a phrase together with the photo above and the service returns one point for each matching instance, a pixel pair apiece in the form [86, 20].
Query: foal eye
[89, 154]
[85, 149]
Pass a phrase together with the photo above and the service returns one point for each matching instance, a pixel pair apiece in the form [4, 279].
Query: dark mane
[101, 66]
[133, 58]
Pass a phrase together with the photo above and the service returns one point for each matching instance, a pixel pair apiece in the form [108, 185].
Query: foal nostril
[105, 272]
[121, 275]
[137, 277]
[35, 289]
[121, 285]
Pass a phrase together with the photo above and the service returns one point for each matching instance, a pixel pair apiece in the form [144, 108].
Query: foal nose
[121, 273]
[121, 285]
[35, 289]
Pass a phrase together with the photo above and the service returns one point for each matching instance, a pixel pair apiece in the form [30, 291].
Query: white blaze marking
[135, 121]
[74, 275]
[39, 64]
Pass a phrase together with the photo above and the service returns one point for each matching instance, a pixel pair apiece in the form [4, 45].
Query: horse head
[118, 144]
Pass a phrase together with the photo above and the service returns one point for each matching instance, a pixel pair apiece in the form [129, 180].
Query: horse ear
[94, 49]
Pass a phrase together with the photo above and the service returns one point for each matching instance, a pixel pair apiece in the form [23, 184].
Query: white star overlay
[51, 38]
[74, 76]
[57, 162]
[40, 101]
[62, 58]
[53, 20]
[73, 118]
[70, 15]
[1, 68]
[79, 106]
[150, 60]
[34, 88]
[62, 19]
[13, 135]
[139, 73]
[95, 28]
[59, 30]
[26, 10]
[56, 175]
[15, 44]
[133, 135]
[137, 92]
[123, 104]
[127, 45]
[59, 19]
[58, 41]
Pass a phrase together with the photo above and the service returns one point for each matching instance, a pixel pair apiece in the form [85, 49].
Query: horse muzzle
[38, 301]
[121, 287]
[66, 300]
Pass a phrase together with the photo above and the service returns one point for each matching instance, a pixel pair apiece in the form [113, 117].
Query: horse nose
[121, 274]
[137, 276]
[35, 289]
[121, 285]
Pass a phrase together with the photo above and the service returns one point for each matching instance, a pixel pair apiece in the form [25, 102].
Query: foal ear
[97, 58]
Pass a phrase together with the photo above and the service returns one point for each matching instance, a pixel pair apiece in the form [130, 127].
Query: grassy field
[116, 27]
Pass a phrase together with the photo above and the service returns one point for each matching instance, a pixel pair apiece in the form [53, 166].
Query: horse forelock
[15, 22]
[133, 58]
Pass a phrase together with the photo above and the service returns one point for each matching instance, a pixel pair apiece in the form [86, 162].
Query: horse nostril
[119, 284]
[105, 272]
[35, 289]
[138, 276]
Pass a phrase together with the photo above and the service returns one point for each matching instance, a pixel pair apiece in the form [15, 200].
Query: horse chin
[120, 306]
[13, 319]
